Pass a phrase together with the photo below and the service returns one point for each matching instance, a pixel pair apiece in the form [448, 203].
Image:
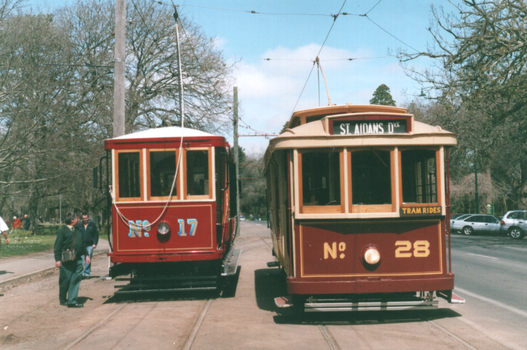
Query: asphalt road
[491, 274]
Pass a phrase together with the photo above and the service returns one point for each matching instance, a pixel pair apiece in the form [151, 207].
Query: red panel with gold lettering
[407, 248]
[191, 228]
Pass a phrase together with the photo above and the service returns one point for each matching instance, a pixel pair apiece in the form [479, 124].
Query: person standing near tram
[90, 235]
[70, 238]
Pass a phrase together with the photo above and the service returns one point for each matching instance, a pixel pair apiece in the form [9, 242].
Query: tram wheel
[516, 233]
[467, 230]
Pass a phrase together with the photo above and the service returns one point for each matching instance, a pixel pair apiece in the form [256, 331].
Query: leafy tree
[382, 96]
[253, 196]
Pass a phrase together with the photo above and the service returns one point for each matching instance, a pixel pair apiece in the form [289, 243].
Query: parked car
[455, 218]
[476, 223]
[514, 223]
[242, 218]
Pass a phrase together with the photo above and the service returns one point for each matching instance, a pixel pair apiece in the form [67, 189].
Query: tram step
[372, 306]
[286, 302]
[231, 262]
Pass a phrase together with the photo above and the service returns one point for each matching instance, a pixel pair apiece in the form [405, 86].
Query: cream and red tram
[172, 234]
[358, 196]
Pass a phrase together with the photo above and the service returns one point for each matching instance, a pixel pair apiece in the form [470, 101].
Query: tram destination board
[369, 127]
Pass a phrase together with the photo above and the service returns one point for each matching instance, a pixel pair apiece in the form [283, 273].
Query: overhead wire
[304, 14]
[319, 51]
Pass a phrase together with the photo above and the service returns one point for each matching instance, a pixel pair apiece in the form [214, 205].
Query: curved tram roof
[169, 134]
[319, 127]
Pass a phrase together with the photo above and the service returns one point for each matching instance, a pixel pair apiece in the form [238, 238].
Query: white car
[514, 223]
[476, 223]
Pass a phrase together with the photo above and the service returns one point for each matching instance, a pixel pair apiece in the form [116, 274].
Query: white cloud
[269, 90]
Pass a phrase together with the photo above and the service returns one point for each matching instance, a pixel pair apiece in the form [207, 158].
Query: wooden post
[119, 78]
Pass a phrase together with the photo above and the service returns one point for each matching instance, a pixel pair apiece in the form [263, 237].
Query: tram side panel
[329, 257]
[192, 230]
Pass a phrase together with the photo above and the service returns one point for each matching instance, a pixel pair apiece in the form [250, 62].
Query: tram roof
[164, 134]
[314, 129]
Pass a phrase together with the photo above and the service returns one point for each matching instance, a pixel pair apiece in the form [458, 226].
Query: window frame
[211, 170]
[178, 175]
[372, 208]
[439, 177]
[118, 198]
[322, 209]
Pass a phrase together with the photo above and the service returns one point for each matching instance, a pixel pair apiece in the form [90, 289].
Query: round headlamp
[372, 256]
[163, 228]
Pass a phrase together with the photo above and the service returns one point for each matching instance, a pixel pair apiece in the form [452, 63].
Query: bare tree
[479, 77]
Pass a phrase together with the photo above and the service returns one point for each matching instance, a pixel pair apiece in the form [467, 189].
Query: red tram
[358, 199]
[173, 216]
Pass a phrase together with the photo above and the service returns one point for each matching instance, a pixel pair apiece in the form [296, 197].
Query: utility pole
[476, 179]
[118, 78]
[236, 157]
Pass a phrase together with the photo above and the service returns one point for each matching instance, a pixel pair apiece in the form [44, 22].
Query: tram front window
[162, 170]
[419, 176]
[371, 177]
[321, 178]
[197, 173]
[129, 175]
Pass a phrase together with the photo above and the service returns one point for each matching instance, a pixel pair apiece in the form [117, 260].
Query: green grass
[23, 243]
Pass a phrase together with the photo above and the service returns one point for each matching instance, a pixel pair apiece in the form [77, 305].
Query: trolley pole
[236, 157]
[119, 78]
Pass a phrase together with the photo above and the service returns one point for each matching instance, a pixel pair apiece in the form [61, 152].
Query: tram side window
[129, 175]
[162, 170]
[419, 176]
[371, 177]
[197, 173]
[321, 178]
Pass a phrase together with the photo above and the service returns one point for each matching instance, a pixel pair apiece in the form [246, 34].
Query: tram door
[278, 208]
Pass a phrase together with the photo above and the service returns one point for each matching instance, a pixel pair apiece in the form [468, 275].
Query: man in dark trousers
[70, 277]
[90, 235]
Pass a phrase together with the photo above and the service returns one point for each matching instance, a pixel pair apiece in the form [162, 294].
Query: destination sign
[374, 127]
[421, 211]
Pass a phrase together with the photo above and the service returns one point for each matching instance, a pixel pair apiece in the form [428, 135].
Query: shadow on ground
[271, 283]
[227, 290]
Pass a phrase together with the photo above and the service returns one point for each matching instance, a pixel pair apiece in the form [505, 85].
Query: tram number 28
[404, 249]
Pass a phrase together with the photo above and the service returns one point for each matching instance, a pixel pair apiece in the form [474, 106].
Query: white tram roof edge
[165, 132]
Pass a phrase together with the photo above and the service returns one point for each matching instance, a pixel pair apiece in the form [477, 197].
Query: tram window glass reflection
[162, 170]
[371, 177]
[129, 175]
[419, 176]
[197, 173]
[321, 178]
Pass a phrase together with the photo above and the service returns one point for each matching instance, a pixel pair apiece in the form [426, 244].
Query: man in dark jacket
[90, 235]
[70, 277]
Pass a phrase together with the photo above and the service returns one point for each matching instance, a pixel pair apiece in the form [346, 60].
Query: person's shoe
[76, 305]
[63, 303]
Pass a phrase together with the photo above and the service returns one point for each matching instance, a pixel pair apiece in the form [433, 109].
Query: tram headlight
[372, 256]
[163, 228]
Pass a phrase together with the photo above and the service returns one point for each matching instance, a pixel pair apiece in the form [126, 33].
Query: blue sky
[282, 30]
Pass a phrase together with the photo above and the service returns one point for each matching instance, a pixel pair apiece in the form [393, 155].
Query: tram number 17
[404, 249]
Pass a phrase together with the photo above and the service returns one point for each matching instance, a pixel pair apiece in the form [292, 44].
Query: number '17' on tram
[358, 200]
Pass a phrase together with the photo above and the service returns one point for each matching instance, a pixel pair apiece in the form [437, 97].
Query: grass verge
[23, 243]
